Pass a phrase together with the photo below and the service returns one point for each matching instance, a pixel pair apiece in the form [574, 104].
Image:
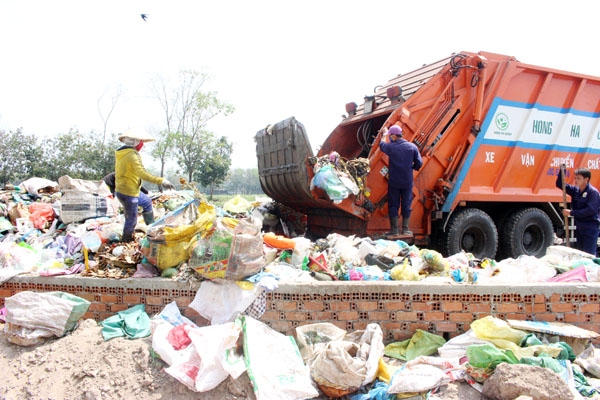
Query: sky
[64, 60]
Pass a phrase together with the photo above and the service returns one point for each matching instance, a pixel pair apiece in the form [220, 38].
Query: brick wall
[398, 307]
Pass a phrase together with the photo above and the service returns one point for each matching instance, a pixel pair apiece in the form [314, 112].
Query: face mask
[139, 146]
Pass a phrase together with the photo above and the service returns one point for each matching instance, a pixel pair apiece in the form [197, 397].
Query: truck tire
[527, 231]
[473, 231]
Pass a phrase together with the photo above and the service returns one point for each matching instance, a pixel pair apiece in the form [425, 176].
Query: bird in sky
[144, 16]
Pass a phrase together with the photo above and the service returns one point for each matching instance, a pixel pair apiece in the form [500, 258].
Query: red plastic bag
[41, 214]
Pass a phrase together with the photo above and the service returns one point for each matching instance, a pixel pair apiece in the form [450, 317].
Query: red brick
[546, 317]
[270, 315]
[367, 305]
[406, 316]
[539, 308]
[287, 305]
[339, 305]
[453, 306]
[87, 296]
[507, 307]
[596, 319]
[435, 316]
[419, 325]
[97, 307]
[88, 315]
[322, 316]
[379, 315]
[390, 326]
[360, 325]
[183, 301]
[347, 315]
[555, 298]
[394, 305]
[480, 308]
[421, 306]
[295, 316]
[518, 317]
[461, 317]
[539, 298]
[574, 318]
[132, 299]
[154, 300]
[109, 298]
[118, 307]
[5, 293]
[446, 327]
[589, 308]
[561, 307]
[313, 306]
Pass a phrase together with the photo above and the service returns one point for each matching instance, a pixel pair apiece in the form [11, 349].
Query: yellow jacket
[130, 172]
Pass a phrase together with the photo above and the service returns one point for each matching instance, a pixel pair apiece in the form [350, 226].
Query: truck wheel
[473, 231]
[527, 231]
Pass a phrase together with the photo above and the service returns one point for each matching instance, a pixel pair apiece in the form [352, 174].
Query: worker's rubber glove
[167, 185]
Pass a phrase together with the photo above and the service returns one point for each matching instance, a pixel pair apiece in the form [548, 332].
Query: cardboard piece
[577, 338]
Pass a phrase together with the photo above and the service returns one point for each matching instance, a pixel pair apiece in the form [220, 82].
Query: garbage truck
[493, 133]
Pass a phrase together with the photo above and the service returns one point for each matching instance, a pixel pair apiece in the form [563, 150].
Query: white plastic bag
[274, 364]
[204, 370]
[223, 301]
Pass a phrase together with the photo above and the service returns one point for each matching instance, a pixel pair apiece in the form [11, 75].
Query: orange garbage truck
[493, 133]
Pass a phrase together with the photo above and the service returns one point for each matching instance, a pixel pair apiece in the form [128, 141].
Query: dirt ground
[82, 365]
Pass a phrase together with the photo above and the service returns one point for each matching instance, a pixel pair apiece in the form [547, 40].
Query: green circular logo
[502, 121]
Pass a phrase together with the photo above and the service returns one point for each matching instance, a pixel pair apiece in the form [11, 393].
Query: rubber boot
[148, 217]
[405, 230]
[127, 237]
[393, 227]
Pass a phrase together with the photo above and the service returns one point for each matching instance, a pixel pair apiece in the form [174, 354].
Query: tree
[214, 166]
[79, 156]
[20, 156]
[187, 110]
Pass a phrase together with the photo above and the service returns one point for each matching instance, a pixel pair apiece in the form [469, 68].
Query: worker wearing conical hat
[129, 174]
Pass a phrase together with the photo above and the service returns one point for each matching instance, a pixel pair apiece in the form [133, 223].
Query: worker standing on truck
[585, 205]
[129, 174]
[404, 157]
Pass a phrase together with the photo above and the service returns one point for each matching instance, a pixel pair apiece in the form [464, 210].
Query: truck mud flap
[282, 151]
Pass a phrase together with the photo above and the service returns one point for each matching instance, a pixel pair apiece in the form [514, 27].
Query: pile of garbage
[74, 227]
[499, 359]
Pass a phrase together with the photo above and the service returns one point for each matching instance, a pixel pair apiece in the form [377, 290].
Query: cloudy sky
[62, 60]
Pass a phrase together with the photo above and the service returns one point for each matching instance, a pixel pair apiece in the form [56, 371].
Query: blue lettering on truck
[532, 126]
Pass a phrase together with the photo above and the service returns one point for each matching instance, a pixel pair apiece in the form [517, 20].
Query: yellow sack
[504, 336]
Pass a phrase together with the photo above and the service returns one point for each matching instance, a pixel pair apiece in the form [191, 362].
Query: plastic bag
[327, 179]
[346, 364]
[246, 257]
[41, 214]
[417, 378]
[274, 364]
[54, 312]
[204, 369]
[237, 205]
[224, 301]
[422, 343]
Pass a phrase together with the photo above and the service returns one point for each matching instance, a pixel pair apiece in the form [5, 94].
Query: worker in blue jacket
[585, 205]
[404, 157]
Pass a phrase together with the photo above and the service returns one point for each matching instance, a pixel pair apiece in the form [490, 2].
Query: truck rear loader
[493, 133]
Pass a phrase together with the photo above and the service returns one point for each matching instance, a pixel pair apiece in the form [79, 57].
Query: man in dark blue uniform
[585, 205]
[404, 157]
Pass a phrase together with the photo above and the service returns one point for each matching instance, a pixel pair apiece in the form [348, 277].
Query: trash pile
[74, 227]
[498, 359]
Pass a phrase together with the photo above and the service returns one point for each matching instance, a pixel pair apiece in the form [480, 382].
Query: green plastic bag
[422, 343]
[489, 356]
